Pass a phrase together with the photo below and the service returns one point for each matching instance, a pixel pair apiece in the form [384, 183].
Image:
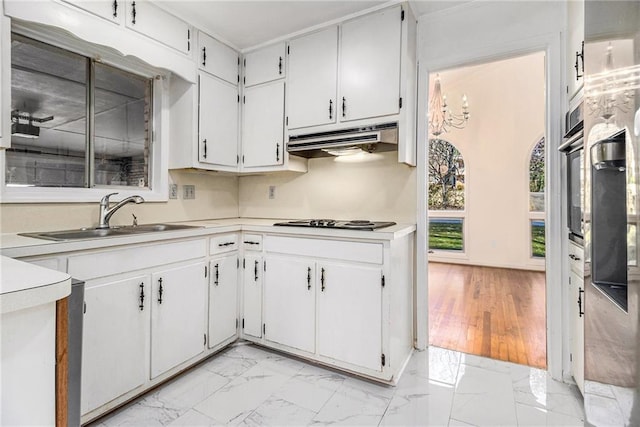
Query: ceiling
[247, 23]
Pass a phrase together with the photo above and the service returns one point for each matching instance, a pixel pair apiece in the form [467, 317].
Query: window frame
[159, 148]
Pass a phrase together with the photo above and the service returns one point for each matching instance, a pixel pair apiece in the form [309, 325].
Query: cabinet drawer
[223, 243]
[92, 265]
[576, 258]
[252, 242]
[317, 248]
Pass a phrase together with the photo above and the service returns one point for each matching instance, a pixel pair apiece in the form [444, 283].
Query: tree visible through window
[446, 193]
[446, 176]
[536, 200]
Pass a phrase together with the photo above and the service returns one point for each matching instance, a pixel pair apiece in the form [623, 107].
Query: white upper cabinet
[370, 65]
[218, 122]
[264, 65]
[263, 125]
[218, 59]
[312, 78]
[575, 46]
[111, 10]
[146, 18]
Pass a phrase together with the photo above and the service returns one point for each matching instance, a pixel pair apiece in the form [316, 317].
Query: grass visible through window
[537, 239]
[446, 234]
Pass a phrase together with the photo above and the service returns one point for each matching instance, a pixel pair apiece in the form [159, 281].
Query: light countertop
[15, 246]
[24, 285]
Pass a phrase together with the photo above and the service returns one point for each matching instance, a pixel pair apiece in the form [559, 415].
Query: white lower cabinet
[338, 302]
[350, 314]
[115, 334]
[252, 295]
[223, 299]
[178, 315]
[289, 299]
[576, 313]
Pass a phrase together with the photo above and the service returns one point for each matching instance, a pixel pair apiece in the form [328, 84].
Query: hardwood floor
[492, 312]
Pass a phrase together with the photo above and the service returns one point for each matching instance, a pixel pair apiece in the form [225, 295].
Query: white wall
[507, 109]
[382, 189]
[216, 197]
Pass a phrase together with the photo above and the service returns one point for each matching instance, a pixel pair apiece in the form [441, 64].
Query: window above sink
[82, 124]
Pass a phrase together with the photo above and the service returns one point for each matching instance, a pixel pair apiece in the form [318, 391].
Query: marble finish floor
[250, 386]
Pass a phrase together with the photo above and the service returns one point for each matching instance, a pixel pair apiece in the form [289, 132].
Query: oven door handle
[569, 143]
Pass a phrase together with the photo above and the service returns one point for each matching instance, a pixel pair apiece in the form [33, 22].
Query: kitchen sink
[98, 233]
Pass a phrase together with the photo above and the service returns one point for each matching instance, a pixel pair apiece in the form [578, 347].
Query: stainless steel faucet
[106, 212]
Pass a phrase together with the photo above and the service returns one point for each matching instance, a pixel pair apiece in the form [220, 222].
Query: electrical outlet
[272, 192]
[173, 191]
[188, 192]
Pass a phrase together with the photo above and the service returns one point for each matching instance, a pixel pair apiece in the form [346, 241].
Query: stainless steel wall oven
[573, 146]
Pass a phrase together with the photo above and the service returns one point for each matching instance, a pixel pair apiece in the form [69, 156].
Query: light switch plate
[188, 192]
[173, 191]
[272, 192]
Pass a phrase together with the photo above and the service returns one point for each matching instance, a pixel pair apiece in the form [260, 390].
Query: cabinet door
[350, 314]
[218, 59]
[178, 302]
[218, 122]
[370, 65]
[148, 19]
[577, 329]
[289, 302]
[114, 342]
[252, 295]
[223, 299]
[575, 38]
[313, 72]
[263, 126]
[264, 65]
[111, 10]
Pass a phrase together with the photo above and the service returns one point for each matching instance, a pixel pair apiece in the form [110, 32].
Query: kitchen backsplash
[216, 197]
[380, 189]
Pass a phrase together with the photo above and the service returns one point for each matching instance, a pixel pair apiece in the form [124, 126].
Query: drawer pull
[573, 257]
[249, 242]
[226, 244]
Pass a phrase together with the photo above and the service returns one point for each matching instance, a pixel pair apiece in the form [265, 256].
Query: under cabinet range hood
[376, 138]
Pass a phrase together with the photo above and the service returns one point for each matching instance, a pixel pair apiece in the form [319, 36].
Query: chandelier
[611, 90]
[441, 119]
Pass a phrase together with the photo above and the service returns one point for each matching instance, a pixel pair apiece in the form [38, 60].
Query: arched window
[446, 196]
[536, 200]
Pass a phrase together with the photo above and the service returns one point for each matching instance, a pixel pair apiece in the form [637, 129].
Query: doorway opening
[486, 211]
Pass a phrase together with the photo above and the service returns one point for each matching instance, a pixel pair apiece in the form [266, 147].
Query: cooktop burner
[355, 224]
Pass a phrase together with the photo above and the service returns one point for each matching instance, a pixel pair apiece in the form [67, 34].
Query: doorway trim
[513, 41]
